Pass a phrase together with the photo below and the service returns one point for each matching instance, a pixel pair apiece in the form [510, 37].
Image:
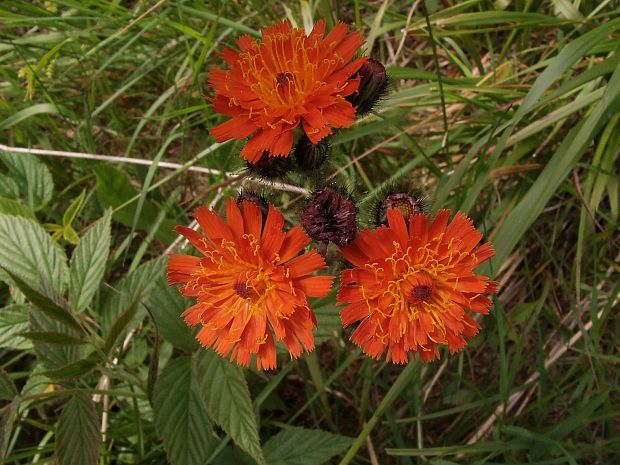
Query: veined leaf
[7, 418]
[14, 320]
[120, 296]
[15, 207]
[300, 446]
[167, 304]
[77, 436]
[8, 391]
[181, 416]
[228, 400]
[52, 356]
[73, 209]
[73, 370]
[53, 308]
[36, 384]
[88, 264]
[32, 176]
[28, 251]
[52, 337]
[8, 187]
[121, 323]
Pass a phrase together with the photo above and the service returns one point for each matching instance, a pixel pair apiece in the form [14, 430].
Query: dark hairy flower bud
[330, 217]
[270, 167]
[373, 84]
[249, 196]
[405, 203]
[310, 156]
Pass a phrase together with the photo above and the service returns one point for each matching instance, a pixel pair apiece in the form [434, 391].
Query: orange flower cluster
[412, 287]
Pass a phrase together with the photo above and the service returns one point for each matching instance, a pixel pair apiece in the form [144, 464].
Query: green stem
[401, 383]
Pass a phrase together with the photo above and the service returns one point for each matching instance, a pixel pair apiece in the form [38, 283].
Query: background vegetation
[506, 110]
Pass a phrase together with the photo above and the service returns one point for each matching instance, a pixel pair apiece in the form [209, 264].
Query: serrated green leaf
[36, 384]
[88, 264]
[77, 436]
[8, 391]
[14, 320]
[8, 187]
[28, 251]
[53, 308]
[7, 418]
[52, 355]
[57, 235]
[73, 370]
[231, 455]
[122, 293]
[73, 209]
[167, 304]
[69, 235]
[52, 337]
[32, 177]
[15, 208]
[121, 323]
[228, 400]
[52, 227]
[300, 446]
[181, 416]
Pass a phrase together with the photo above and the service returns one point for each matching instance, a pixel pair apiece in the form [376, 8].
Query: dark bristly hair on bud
[250, 196]
[373, 84]
[407, 204]
[329, 216]
[309, 156]
[270, 167]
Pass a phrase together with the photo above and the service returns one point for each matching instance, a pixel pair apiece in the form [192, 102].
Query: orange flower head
[285, 80]
[250, 283]
[414, 284]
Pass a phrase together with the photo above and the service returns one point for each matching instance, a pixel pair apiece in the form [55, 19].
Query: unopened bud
[310, 156]
[330, 217]
[373, 83]
[270, 167]
[253, 197]
[405, 203]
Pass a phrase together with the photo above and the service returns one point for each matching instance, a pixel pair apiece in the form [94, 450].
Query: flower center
[254, 286]
[284, 78]
[242, 290]
[279, 71]
[422, 292]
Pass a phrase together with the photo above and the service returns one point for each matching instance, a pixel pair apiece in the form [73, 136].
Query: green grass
[510, 115]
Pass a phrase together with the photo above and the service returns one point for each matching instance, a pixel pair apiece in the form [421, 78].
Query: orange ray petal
[295, 240]
[315, 286]
[181, 268]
